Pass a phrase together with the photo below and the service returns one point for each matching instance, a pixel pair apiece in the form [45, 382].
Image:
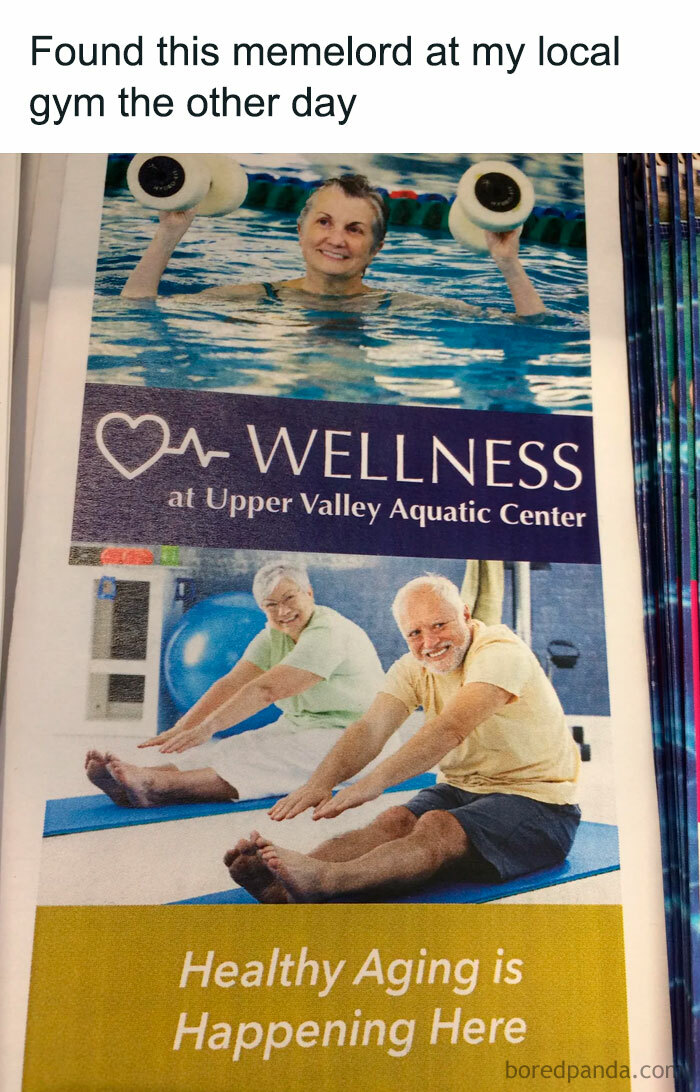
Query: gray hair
[269, 576]
[355, 185]
[440, 585]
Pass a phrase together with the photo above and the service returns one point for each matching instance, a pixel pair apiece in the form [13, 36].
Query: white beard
[451, 662]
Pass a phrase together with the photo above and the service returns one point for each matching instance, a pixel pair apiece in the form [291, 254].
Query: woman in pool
[341, 229]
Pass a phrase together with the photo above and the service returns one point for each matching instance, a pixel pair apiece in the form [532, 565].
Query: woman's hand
[174, 224]
[179, 738]
[504, 246]
[143, 282]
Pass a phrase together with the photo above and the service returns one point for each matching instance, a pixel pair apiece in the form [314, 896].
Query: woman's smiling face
[289, 607]
[336, 234]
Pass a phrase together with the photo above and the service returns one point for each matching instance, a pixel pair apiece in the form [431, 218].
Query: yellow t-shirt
[525, 748]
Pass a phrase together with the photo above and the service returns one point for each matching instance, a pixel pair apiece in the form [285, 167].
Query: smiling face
[289, 607]
[437, 633]
[336, 235]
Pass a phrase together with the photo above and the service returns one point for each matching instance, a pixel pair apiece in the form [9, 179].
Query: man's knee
[397, 821]
[445, 834]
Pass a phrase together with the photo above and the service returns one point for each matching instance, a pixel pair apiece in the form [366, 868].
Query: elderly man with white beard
[504, 804]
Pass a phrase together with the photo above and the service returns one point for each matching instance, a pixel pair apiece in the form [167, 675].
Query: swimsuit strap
[271, 293]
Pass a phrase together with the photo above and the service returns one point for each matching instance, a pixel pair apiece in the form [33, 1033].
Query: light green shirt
[336, 649]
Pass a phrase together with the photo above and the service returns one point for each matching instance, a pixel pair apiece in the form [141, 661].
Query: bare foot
[101, 778]
[138, 782]
[305, 878]
[248, 870]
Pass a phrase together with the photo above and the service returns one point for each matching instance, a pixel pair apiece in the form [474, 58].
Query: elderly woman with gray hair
[341, 230]
[320, 668]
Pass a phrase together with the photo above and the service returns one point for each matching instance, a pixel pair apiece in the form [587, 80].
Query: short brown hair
[356, 185]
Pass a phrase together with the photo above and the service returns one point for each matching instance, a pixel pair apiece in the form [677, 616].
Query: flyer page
[311, 705]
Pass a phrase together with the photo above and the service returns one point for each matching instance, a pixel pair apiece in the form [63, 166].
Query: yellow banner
[207, 998]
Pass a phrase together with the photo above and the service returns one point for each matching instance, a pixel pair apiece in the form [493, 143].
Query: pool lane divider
[594, 852]
[79, 814]
[287, 194]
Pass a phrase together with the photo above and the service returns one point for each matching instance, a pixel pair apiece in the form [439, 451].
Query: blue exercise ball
[207, 642]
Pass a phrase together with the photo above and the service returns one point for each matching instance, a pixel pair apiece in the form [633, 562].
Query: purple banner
[236, 471]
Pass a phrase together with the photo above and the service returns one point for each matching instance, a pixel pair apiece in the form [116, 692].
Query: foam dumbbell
[491, 196]
[216, 184]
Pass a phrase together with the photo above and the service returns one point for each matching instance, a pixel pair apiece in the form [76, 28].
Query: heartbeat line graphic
[205, 457]
[191, 438]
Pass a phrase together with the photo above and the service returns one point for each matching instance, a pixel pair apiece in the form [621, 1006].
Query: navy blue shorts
[508, 835]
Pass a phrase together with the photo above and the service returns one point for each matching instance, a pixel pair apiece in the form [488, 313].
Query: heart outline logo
[133, 423]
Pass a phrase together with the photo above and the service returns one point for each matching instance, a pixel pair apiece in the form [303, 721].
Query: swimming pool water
[415, 352]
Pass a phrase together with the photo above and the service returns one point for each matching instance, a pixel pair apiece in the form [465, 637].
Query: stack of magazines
[660, 205]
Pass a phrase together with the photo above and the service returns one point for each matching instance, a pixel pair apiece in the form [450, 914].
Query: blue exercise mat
[77, 814]
[595, 850]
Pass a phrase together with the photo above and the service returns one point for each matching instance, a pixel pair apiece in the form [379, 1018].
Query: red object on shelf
[126, 555]
[404, 193]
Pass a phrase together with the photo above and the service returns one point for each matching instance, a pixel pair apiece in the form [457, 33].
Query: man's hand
[179, 738]
[358, 745]
[350, 797]
[311, 795]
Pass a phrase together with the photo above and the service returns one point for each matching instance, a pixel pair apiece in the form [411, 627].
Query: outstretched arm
[504, 247]
[239, 695]
[359, 744]
[472, 705]
[144, 280]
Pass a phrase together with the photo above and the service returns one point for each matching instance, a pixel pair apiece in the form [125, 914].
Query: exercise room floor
[165, 862]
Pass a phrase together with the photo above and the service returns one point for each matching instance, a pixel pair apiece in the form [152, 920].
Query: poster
[419, 426]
